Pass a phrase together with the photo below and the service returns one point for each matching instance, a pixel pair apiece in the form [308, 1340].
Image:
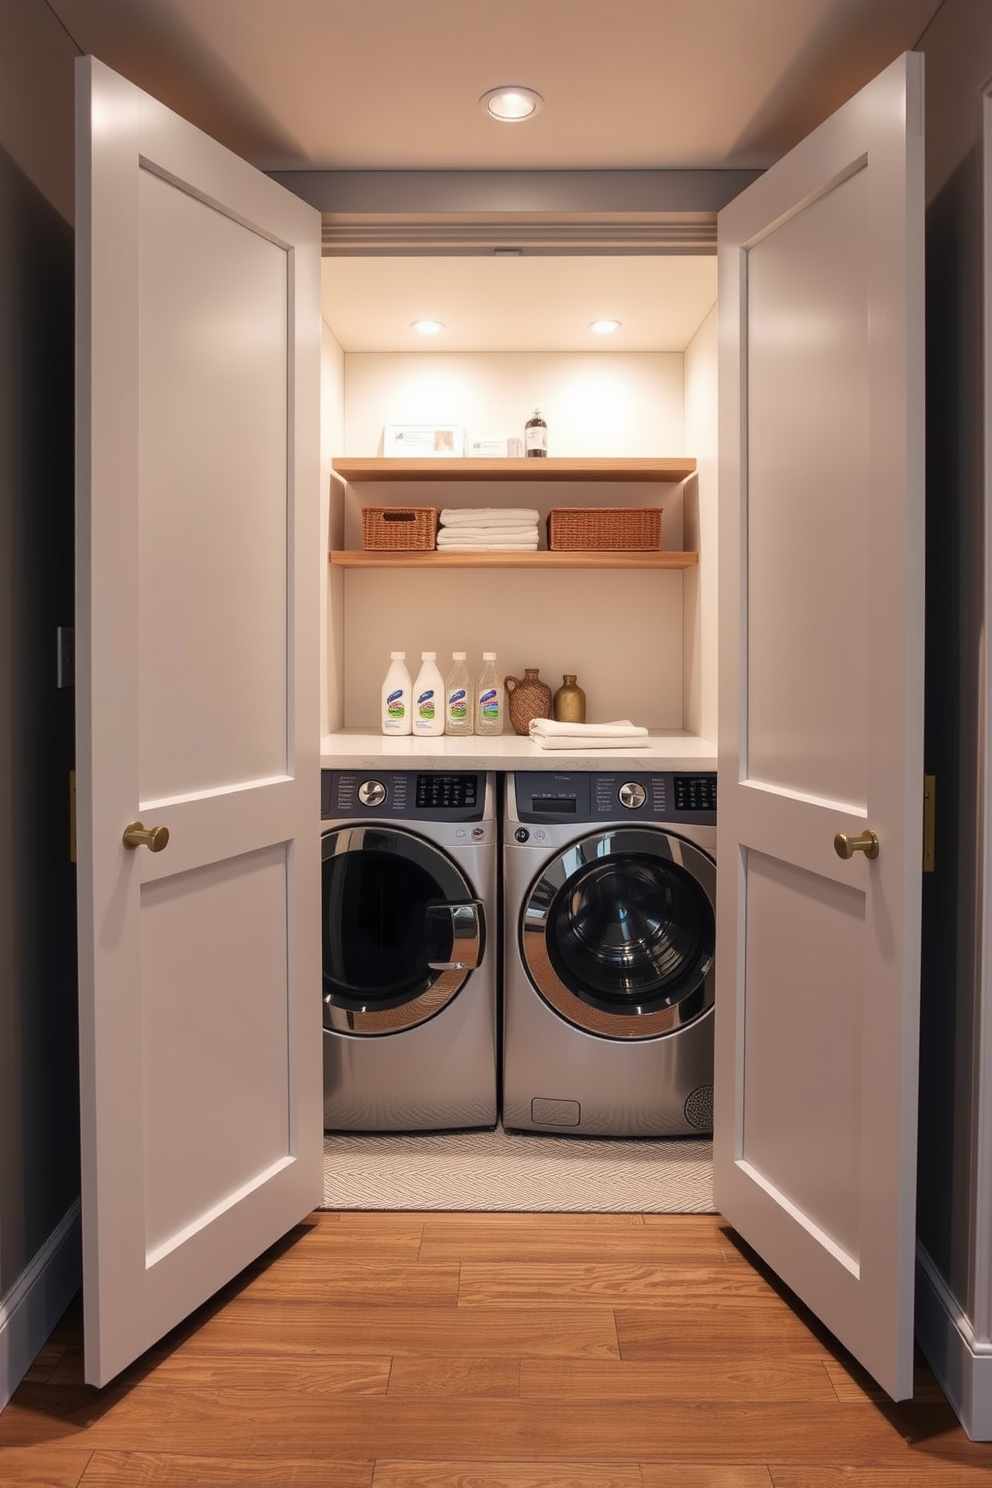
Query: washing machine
[409, 883]
[609, 930]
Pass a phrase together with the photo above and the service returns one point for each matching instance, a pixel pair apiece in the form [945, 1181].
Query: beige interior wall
[39, 1162]
[595, 403]
[620, 633]
[332, 535]
[700, 594]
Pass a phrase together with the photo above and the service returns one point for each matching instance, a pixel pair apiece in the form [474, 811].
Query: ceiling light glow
[604, 327]
[511, 105]
[428, 327]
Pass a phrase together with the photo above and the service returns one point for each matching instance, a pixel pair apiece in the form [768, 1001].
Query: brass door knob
[866, 842]
[154, 838]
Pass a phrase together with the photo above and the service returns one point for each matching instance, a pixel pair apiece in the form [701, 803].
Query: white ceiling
[394, 84]
[518, 304]
[376, 85]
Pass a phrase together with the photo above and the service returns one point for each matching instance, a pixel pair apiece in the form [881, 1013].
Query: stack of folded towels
[621, 734]
[487, 529]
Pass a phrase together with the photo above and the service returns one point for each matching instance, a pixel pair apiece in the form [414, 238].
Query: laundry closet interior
[631, 422]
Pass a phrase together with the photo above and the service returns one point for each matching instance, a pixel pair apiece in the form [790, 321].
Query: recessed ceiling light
[428, 327]
[510, 105]
[604, 327]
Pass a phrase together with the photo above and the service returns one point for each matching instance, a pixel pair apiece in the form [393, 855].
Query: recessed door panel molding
[803, 1033]
[807, 474]
[197, 626]
[217, 1101]
[821, 717]
[214, 500]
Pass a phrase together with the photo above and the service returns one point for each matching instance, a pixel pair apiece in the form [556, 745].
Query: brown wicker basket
[607, 529]
[399, 528]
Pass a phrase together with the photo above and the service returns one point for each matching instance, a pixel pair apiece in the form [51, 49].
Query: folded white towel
[486, 534]
[491, 526]
[488, 516]
[590, 741]
[615, 729]
[488, 547]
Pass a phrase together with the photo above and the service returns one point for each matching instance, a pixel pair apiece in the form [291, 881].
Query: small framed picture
[430, 441]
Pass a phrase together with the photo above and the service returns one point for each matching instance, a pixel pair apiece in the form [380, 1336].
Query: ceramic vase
[527, 697]
[569, 701]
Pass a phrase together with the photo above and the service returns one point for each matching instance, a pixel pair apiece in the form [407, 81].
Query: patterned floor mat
[499, 1170]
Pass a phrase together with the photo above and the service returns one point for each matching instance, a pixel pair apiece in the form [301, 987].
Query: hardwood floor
[488, 1351]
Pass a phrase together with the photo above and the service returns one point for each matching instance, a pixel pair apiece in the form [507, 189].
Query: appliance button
[632, 794]
[521, 834]
[371, 792]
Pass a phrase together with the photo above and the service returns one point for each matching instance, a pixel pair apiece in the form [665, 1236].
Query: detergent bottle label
[489, 703]
[395, 706]
[458, 704]
[425, 704]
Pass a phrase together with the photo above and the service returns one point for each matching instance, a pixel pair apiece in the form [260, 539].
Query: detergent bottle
[428, 697]
[488, 697]
[458, 711]
[396, 711]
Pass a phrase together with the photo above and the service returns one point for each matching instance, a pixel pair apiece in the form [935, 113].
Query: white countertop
[359, 749]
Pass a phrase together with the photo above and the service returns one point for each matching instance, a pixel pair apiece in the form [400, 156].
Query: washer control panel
[426, 795]
[661, 796]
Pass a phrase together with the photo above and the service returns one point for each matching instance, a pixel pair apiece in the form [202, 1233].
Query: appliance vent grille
[689, 232]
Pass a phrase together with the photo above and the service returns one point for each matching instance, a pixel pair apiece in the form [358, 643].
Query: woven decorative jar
[527, 697]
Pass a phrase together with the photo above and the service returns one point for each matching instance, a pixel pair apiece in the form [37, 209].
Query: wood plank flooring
[488, 1351]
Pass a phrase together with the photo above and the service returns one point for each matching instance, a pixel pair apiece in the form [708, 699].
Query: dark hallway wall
[958, 51]
[39, 1160]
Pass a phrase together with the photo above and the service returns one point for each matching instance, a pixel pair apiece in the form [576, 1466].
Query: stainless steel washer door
[618, 933]
[402, 931]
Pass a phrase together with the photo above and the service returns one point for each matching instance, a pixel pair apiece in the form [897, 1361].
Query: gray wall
[958, 49]
[38, 1083]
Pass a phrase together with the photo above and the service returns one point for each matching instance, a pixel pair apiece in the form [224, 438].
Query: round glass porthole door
[401, 930]
[618, 933]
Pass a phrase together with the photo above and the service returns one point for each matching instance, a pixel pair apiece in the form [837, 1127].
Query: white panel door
[197, 696]
[821, 716]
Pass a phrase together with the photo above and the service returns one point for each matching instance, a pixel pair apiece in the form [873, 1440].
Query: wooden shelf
[367, 558]
[550, 469]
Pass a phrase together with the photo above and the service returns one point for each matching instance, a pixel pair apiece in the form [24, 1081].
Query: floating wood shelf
[550, 469]
[367, 558]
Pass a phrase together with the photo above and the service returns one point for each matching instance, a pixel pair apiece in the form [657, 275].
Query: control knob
[371, 792]
[632, 794]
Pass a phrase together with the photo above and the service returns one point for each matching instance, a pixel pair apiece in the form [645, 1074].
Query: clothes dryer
[609, 894]
[409, 882]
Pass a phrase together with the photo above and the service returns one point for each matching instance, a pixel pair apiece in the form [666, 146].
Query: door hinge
[66, 655]
[72, 816]
[929, 821]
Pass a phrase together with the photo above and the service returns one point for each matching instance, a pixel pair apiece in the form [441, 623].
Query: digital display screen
[558, 805]
[695, 792]
[454, 791]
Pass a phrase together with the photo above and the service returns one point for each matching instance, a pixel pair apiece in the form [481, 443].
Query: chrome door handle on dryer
[466, 940]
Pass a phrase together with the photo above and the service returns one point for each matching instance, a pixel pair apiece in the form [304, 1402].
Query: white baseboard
[962, 1364]
[37, 1300]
